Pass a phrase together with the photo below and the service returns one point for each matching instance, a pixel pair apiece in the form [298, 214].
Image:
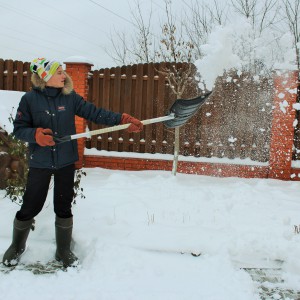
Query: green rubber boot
[20, 234]
[63, 233]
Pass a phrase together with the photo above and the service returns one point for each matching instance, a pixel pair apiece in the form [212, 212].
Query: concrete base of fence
[201, 168]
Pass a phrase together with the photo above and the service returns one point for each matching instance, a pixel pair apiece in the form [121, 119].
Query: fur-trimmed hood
[40, 83]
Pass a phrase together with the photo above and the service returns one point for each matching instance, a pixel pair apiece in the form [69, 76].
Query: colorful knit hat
[44, 68]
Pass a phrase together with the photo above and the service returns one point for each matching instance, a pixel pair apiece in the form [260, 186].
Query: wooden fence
[15, 75]
[140, 90]
[235, 123]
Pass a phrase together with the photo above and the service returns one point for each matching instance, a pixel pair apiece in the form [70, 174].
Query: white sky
[59, 29]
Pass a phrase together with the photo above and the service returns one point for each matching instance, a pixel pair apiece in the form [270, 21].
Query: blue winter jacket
[55, 109]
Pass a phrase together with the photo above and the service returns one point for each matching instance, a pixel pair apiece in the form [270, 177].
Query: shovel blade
[184, 109]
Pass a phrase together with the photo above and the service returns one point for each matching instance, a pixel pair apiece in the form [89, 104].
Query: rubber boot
[20, 234]
[63, 233]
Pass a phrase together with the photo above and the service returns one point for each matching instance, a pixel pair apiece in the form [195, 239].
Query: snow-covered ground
[132, 226]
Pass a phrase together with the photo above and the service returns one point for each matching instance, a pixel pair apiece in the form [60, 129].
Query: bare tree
[292, 14]
[119, 44]
[268, 14]
[246, 8]
[139, 47]
[218, 13]
[198, 25]
[199, 21]
[143, 49]
[174, 49]
[262, 13]
[263, 17]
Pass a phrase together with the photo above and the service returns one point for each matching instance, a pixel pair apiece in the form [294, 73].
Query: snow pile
[132, 227]
[237, 46]
[218, 56]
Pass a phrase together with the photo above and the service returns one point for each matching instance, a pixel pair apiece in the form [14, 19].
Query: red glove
[44, 137]
[136, 125]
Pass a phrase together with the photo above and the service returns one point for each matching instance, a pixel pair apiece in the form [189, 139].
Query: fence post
[78, 69]
[282, 130]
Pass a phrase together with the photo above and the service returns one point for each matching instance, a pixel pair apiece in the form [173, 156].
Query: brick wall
[79, 74]
[282, 131]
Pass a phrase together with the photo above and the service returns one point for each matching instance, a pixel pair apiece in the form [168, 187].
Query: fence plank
[190, 129]
[239, 115]
[216, 119]
[205, 130]
[94, 98]
[160, 108]
[138, 104]
[27, 80]
[263, 120]
[231, 117]
[100, 104]
[127, 105]
[149, 108]
[249, 124]
[9, 75]
[20, 76]
[169, 136]
[105, 104]
[116, 105]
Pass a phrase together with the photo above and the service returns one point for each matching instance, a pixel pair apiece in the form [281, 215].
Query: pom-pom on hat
[44, 68]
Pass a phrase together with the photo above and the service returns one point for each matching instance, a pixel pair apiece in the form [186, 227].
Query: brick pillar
[79, 74]
[282, 130]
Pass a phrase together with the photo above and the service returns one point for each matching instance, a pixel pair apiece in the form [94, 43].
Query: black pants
[37, 189]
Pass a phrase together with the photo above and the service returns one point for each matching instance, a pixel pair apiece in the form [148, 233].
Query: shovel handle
[120, 127]
[109, 129]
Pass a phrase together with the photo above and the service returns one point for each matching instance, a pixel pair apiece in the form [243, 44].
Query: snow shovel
[179, 113]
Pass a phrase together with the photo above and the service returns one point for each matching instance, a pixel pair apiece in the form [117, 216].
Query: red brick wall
[282, 130]
[79, 74]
